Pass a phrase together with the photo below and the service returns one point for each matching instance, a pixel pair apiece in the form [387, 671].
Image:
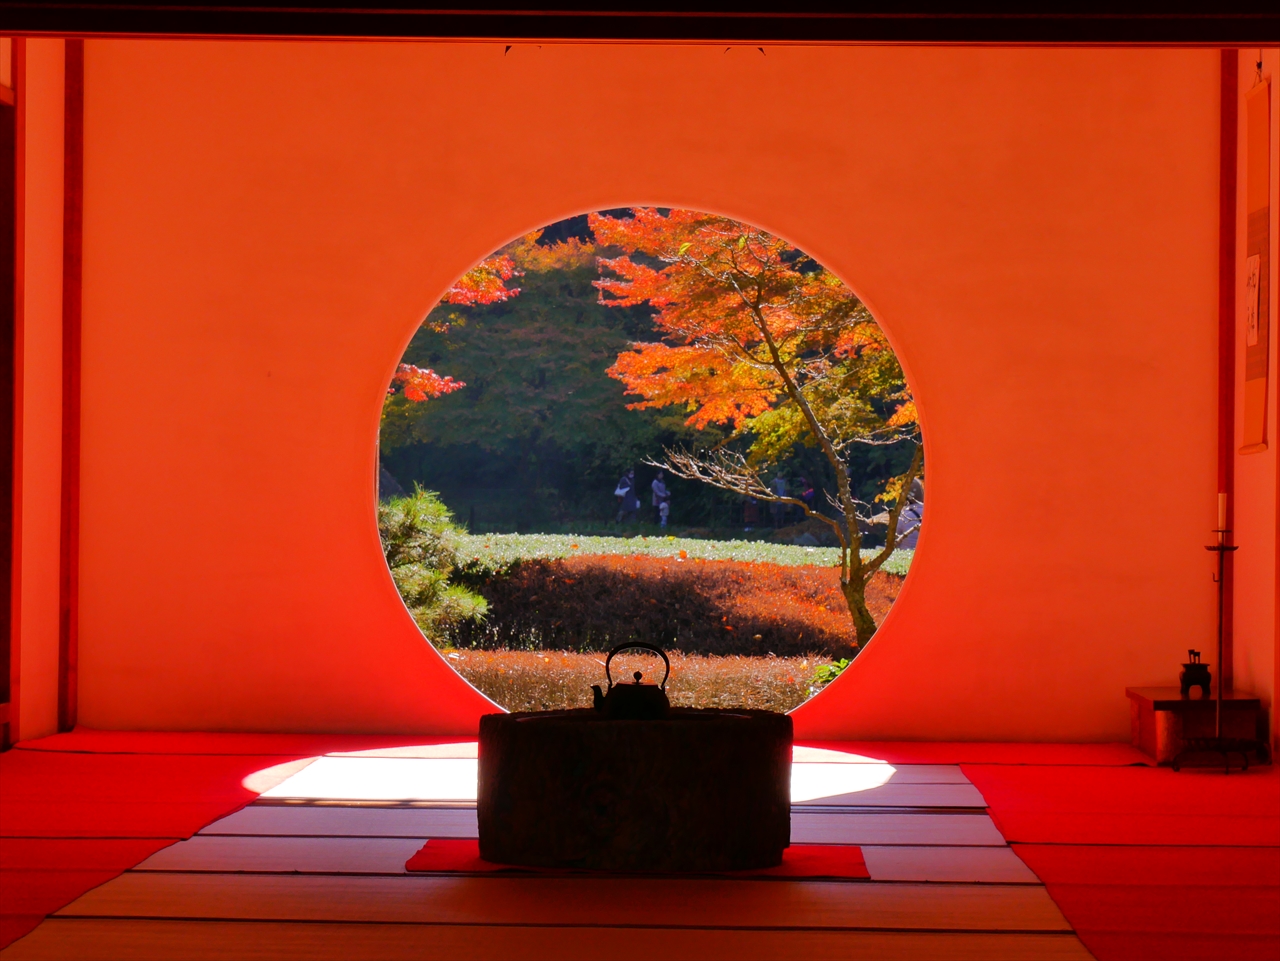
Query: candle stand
[1217, 743]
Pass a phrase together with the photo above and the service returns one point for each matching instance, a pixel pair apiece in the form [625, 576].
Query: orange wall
[38, 439]
[266, 224]
[1255, 659]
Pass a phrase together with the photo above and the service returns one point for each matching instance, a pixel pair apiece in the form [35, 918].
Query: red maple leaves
[422, 383]
[485, 283]
[736, 308]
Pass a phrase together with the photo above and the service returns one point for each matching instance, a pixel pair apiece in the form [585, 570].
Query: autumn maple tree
[485, 283]
[758, 337]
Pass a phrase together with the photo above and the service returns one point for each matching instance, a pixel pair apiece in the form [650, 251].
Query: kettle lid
[640, 646]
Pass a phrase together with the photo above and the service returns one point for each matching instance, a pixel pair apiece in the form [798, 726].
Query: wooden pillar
[1226, 331]
[69, 539]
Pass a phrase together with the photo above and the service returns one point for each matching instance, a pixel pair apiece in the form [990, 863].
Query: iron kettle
[635, 701]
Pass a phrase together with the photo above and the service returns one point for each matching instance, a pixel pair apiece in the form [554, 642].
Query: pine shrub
[420, 542]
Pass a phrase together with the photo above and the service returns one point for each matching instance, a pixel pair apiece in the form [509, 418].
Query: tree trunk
[855, 595]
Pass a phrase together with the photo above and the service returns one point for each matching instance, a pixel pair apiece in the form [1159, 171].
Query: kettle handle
[638, 646]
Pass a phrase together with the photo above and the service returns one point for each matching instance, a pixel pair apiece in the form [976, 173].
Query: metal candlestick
[1218, 744]
[1221, 548]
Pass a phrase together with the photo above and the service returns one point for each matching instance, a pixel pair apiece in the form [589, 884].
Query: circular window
[650, 425]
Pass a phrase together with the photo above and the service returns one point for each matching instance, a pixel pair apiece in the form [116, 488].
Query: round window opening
[649, 425]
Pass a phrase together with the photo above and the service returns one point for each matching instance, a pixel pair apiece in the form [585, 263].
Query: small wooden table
[1162, 721]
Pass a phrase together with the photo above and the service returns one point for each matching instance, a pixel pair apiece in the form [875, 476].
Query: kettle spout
[597, 697]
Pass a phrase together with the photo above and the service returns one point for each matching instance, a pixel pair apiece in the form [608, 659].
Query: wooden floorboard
[979, 865]
[911, 795]
[928, 774]
[337, 821]
[920, 773]
[407, 822]
[349, 855]
[82, 940]
[615, 902]
[912, 829]
[304, 855]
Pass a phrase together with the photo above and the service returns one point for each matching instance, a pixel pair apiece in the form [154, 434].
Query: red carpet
[800, 861]
[78, 809]
[981, 752]
[1131, 805]
[1148, 863]
[84, 740]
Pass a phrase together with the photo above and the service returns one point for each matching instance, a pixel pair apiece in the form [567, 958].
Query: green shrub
[826, 673]
[421, 541]
[488, 553]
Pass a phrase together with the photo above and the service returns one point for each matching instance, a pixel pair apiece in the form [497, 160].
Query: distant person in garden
[805, 490]
[912, 515]
[660, 496]
[779, 486]
[750, 514]
[628, 501]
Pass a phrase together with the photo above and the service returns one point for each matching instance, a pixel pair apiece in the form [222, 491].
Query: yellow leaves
[859, 337]
[564, 255]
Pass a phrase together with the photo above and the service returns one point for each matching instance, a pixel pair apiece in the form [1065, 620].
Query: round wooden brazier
[695, 791]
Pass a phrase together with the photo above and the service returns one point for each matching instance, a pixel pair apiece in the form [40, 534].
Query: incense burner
[1194, 674]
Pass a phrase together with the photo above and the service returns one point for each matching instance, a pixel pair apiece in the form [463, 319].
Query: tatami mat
[133, 940]
[315, 869]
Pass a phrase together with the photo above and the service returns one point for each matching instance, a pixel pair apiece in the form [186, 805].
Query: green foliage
[826, 673]
[534, 368]
[421, 545]
[488, 553]
[540, 434]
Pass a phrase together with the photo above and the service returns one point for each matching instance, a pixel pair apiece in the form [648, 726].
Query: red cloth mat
[1149, 863]
[1111, 754]
[72, 819]
[87, 740]
[800, 861]
[1169, 865]
[1131, 805]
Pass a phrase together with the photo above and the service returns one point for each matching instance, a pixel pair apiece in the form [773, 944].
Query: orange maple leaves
[706, 381]
[485, 283]
[739, 310]
[422, 383]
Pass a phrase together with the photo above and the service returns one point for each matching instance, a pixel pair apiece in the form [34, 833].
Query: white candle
[1222, 512]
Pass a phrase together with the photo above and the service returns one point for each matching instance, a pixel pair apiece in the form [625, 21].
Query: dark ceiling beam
[1242, 24]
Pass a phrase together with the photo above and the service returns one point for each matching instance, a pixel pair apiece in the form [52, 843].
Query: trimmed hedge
[593, 602]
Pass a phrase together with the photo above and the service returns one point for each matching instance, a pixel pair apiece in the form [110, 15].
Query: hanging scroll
[1257, 295]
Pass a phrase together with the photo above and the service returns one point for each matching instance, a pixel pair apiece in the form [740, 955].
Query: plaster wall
[266, 223]
[1255, 627]
[38, 438]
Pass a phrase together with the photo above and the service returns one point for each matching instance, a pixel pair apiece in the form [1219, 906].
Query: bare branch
[892, 538]
[730, 471]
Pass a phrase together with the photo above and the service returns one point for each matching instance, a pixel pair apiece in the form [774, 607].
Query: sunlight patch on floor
[812, 782]
[348, 778]
[382, 779]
